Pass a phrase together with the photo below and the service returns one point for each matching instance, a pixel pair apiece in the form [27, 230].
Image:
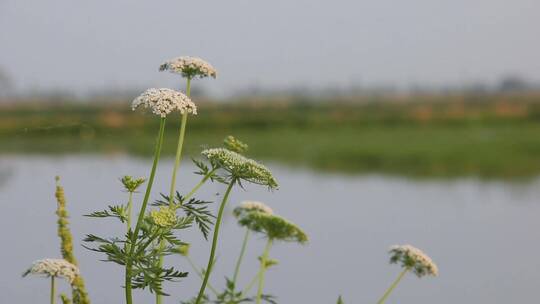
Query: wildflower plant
[412, 259]
[154, 231]
[78, 288]
[188, 67]
[234, 168]
[239, 212]
[247, 214]
[136, 251]
[274, 228]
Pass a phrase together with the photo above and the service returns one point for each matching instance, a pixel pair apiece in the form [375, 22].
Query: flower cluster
[414, 259]
[251, 206]
[235, 145]
[273, 226]
[54, 268]
[189, 67]
[164, 101]
[131, 184]
[240, 167]
[164, 217]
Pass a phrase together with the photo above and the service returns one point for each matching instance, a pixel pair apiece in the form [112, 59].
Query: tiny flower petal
[414, 259]
[164, 217]
[189, 67]
[251, 206]
[164, 101]
[59, 268]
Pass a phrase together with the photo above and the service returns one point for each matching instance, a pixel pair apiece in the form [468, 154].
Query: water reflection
[482, 234]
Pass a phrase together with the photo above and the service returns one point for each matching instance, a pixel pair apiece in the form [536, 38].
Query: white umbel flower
[414, 259]
[256, 206]
[59, 268]
[164, 101]
[189, 67]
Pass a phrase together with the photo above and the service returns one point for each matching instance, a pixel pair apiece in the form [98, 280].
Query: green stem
[240, 257]
[263, 270]
[53, 290]
[130, 208]
[250, 285]
[180, 146]
[129, 262]
[203, 180]
[391, 288]
[200, 275]
[178, 158]
[214, 241]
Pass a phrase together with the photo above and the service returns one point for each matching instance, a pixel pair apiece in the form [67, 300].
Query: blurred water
[483, 235]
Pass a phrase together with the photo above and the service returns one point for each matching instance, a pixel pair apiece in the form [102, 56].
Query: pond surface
[483, 235]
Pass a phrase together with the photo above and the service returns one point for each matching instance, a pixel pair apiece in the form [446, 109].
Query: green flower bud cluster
[164, 217]
[233, 144]
[273, 226]
[131, 184]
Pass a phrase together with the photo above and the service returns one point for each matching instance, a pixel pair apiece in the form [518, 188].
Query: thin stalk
[53, 290]
[129, 262]
[178, 158]
[203, 180]
[130, 208]
[263, 270]
[391, 288]
[214, 241]
[240, 257]
[250, 285]
[200, 275]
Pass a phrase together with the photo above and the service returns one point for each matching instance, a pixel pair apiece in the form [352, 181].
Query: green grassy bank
[490, 136]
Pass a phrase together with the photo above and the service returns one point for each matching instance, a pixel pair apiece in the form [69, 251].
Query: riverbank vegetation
[493, 136]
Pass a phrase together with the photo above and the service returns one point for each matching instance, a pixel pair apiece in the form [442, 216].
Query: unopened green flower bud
[131, 184]
[233, 144]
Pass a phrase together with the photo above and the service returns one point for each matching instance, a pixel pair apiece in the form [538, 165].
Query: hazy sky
[85, 45]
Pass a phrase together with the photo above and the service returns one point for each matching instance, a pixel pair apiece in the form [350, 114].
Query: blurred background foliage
[424, 135]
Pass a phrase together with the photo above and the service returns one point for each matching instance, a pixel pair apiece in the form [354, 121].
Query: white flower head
[189, 67]
[59, 268]
[164, 101]
[414, 259]
[240, 167]
[252, 206]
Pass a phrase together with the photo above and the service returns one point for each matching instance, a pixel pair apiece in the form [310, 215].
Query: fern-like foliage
[153, 277]
[231, 296]
[146, 252]
[194, 208]
[117, 211]
[210, 171]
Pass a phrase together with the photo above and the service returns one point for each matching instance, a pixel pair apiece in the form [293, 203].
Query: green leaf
[118, 211]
